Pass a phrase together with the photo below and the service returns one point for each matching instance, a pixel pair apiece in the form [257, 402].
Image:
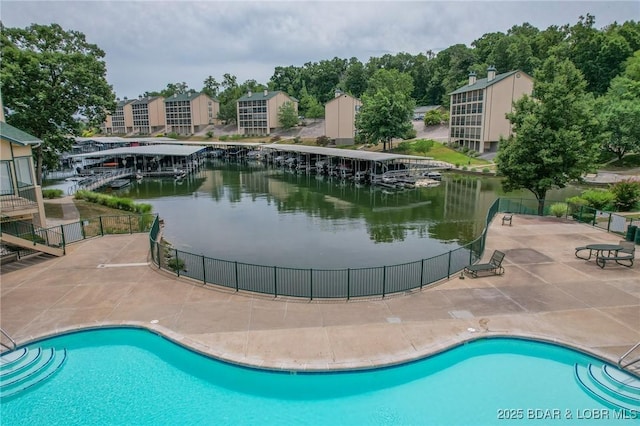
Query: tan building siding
[189, 113]
[478, 111]
[257, 113]
[340, 118]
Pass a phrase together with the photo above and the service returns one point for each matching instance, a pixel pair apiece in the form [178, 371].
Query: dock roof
[345, 153]
[173, 150]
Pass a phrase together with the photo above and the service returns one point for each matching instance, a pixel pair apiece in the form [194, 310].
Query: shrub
[236, 136]
[599, 199]
[173, 135]
[176, 264]
[209, 134]
[297, 139]
[275, 138]
[464, 168]
[52, 193]
[223, 138]
[410, 134]
[626, 194]
[486, 170]
[118, 203]
[323, 140]
[559, 209]
[404, 147]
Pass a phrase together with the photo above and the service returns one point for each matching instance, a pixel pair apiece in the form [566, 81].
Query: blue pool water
[133, 377]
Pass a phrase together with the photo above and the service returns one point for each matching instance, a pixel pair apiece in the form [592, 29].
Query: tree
[554, 133]
[52, 78]
[387, 108]
[287, 115]
[619, 112]
[211, 87]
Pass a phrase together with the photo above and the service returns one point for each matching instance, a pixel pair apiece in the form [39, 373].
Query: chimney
[249, 94]
[491, 73]
[266, 92]
[472, 78]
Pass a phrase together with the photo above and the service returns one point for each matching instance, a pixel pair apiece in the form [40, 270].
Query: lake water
[268, 216]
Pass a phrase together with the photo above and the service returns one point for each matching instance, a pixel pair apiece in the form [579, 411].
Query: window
[6, 184]
[23, 171]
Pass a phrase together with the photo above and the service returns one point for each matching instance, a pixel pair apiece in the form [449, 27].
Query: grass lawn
[85, 208]
[53, 210]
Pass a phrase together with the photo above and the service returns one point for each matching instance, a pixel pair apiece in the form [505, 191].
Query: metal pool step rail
[611, 386]
[24, 368]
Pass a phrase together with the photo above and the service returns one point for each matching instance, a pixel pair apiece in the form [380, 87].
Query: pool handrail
[626, 354]
[15, 345]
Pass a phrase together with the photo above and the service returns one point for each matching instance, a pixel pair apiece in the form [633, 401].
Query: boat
[433, 175]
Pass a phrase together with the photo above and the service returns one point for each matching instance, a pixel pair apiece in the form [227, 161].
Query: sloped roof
[261, 95]
[17, 136]
[184, 97]
[341, 95]
[484, 83]
[426, 108]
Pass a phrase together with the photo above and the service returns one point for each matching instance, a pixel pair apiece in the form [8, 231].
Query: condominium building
[340, 118]
[148, 115]
[190, 112]
[122, 118]
[478, 110]
[258, 112]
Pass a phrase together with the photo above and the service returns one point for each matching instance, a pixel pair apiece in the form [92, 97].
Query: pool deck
[546, 293]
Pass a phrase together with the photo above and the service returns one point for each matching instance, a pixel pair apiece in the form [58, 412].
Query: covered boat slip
[150, 160]
[353, 163]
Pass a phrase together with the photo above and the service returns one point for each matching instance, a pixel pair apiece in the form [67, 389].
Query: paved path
[546, 293]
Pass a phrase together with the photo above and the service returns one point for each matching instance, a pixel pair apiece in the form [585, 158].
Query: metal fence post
[421, 273]
[177, 264]
[236, 263]
[609, 223]
[311, 283]
[275, 281]
[159, 258]
[204, 271]
[101, 228]
[130, 227]
[348, 283]
[384, 279]
[64, 244]
[82, 231]
[449, 265]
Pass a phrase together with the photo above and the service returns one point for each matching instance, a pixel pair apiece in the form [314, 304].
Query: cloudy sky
[151, 43]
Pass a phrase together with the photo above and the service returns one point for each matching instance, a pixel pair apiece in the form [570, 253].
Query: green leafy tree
[49, 78]
[287, 115]
[619, 112]
[422, 146]
[387, 108]
[211, 87]
[554, 141]
[309, 105]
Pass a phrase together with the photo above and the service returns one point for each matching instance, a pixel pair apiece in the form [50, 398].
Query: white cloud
[149, 43]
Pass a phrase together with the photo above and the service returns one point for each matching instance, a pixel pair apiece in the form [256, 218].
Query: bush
[486, 170]
[297, 139]
[52, 193]
[410, 134]
[209, 134]
[223, 138]
[118, 203]
[173, 135]
[322, 140]
[626, 195]
[599, 199]
[275, 138]
[559, 209]
[236, 136]
[404, 147]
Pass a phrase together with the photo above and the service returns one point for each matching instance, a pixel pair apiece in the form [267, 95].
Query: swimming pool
[132, 376]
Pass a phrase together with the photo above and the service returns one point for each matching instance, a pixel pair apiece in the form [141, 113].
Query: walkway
[545, 293]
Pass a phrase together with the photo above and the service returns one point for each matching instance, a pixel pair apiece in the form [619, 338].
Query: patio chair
[493, 266]
[507, 218]
[623, 257]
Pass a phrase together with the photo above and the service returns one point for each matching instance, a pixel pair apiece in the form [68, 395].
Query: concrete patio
[546, 293]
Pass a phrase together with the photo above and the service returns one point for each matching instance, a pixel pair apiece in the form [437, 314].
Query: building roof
[146, 100]
[116, 139]
[174, 150]
[340, 95]
[17, 136]
[484, 83]
[261, 95]
[345, 153]
[123, 102]
[423, 109]
[189, 96]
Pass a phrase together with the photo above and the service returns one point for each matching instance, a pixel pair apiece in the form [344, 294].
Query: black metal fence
[60, 235]
[318, 283]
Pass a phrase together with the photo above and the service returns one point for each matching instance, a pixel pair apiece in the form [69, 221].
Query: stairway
[611, 386]
[24, 368]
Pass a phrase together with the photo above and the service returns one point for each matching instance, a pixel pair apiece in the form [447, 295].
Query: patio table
[599, 249]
